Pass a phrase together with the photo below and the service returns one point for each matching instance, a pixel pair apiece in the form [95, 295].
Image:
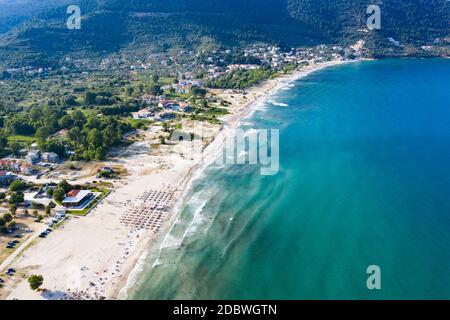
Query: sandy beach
[92, 257]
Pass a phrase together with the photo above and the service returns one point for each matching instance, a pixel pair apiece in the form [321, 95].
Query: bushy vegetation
[35, 281]
[241, 79]
[88, 136]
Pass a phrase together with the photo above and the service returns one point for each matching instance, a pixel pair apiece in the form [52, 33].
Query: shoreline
[233, 121]
[98, 257]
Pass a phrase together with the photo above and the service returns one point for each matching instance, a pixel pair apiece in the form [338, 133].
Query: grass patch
[216, 112]
[173, 96]
[22, 139]
[138, 123]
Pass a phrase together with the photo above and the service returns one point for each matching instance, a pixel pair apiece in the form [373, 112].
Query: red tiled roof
[73, 193]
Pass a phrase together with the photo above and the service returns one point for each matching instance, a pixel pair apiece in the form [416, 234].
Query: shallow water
[364, 180]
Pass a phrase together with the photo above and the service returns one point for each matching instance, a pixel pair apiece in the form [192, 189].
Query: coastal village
[128, 192]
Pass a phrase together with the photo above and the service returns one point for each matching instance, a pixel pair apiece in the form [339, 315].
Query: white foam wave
[156, 263]
[279, 104]
[170, 242]
[197, 220]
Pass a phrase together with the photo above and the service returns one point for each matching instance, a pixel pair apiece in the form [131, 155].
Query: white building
[50, 157]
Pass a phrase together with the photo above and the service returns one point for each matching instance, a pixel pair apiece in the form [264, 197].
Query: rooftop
[75, 196]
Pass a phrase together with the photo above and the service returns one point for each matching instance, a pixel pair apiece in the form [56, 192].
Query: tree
[66, 121]
[100, 153]
[35, 281]
[42, 133]
[59, 194]
[15, 147]
[16, 198]
[129, 91]
[11, 225]
[156, 90]
[73, 135]
[89, 97]
[7, 217]
[12, 208]
[94, 139]
[17, 185]
[79, 118]
[64, 185]
[166, 127]
[3, 140]
[52, 145]
[198, 92]
[70, 100]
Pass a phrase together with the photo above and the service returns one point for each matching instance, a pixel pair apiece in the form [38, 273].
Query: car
[15, 241]
[1, 280]
[11, 270]
[10, 246]
[18, 236]
[42, 235]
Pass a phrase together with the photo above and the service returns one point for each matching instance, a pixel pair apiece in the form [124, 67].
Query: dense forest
[155, 25]
[89, 137]
[241, 79]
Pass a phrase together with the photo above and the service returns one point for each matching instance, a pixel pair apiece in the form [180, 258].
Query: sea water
[364, 180]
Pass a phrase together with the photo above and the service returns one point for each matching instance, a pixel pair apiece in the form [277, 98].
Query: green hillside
[147, 26]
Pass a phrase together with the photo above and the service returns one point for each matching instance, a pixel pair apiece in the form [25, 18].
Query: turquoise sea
[364, 180]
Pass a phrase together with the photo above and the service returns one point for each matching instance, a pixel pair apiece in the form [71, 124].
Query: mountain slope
[144, 26]
[14, 12]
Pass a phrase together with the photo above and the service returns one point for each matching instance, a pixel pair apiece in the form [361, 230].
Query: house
[9, 166]
[184, 107]
[39, 198]
[50, 157]
[149, 99]
[143, 114]
[77, 198]
[6, 178]
[27, 170]
[33, 157]
[165, 104]
[169, 105]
